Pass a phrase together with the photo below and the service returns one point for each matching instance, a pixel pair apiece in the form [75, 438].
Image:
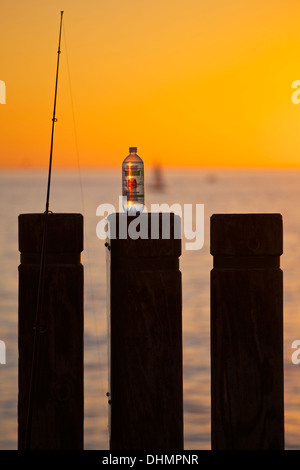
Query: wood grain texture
[58, 406]
[247, 337]
[146, 390]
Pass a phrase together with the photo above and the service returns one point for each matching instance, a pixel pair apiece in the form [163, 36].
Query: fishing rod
[38, 329]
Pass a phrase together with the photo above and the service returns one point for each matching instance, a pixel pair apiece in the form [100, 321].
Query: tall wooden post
[145, 396]
[57, 406]
[247, 332]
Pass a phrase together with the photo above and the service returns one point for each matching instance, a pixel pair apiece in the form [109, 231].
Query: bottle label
[133, 183]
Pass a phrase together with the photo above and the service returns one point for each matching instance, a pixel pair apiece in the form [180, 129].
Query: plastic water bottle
[133, 183]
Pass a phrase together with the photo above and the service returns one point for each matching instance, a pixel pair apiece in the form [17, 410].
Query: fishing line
[38, 330]
[87, 251]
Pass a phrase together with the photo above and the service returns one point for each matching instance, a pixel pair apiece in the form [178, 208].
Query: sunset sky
[189, 82]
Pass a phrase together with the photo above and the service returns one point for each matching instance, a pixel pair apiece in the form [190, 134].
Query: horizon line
[152, 166]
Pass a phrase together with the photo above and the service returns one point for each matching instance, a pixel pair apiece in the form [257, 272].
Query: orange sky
[186, 81]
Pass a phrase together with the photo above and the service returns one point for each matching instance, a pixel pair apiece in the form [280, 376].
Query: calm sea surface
[220, 192]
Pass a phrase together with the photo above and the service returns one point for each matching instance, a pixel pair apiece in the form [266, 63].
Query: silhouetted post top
[246, 235]
[64, 233]
[160, 235]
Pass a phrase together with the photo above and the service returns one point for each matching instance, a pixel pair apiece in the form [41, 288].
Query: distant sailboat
[157, 182]
[211, 178]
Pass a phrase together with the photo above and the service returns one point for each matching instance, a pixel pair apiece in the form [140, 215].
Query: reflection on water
[232, 191]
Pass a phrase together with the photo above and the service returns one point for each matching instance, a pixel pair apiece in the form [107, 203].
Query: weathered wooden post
[144, 280]
[57, 404]
[247, 332]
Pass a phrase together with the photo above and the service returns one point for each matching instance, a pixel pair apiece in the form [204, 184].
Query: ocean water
[221, 192]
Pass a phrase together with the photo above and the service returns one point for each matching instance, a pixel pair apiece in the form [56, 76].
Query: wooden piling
[57, 411]
[144, 295]
[247, 332]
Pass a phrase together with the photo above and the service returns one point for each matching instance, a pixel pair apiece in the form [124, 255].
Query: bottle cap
[132, 149]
